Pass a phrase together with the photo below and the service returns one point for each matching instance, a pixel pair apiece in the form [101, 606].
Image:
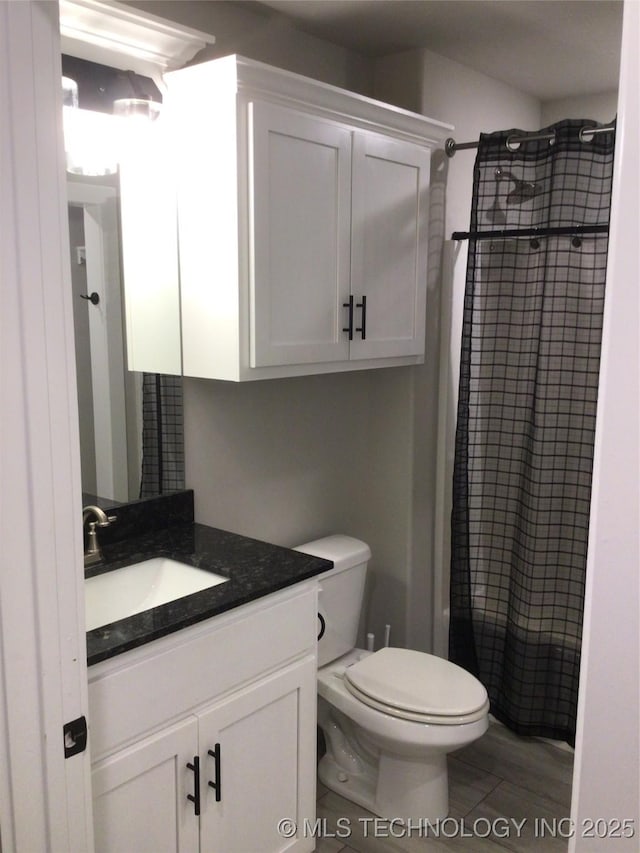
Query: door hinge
[75, 737]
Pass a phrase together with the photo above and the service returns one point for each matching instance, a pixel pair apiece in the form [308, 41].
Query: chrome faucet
[93, 553]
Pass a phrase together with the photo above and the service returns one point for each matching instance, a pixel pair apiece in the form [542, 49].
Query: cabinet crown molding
[258, 78]
[117, 35]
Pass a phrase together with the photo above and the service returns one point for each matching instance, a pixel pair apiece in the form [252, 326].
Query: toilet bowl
[390, 717]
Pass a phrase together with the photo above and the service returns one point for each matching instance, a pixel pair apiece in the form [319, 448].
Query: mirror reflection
[109, 397]
[131, 433]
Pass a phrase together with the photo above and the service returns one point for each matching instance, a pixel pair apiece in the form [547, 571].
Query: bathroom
[292, 459]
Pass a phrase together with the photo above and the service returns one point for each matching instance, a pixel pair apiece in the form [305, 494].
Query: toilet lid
[416, 685]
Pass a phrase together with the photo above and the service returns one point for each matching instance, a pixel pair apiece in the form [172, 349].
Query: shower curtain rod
[584, 135]
[568, 230]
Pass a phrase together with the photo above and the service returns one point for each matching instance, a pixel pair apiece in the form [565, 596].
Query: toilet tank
[340, 593]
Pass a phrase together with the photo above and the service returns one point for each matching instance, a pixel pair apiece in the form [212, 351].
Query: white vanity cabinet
[303, 223]
[205, 740]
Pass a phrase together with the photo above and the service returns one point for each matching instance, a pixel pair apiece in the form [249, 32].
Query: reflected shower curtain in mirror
[162, 435]
[526, 418]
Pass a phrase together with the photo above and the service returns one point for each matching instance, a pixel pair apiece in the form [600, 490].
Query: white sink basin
[134, 589]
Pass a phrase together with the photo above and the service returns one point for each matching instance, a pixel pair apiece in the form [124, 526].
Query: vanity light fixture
[138, 108]
[69, 93]
[90, 141]
[95, 141]
[118, 36]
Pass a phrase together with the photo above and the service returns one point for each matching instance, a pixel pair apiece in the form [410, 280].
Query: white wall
[606, 776]
[602, 107]
[288, 460]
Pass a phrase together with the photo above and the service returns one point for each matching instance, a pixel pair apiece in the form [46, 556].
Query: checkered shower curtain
[526, 418]
[162, 435]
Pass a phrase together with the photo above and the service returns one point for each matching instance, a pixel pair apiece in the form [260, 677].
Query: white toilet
[390, 717]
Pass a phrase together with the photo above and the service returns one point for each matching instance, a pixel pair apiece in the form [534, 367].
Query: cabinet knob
[217, 785]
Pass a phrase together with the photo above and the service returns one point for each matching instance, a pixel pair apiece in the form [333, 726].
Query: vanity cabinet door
[140, 795]
[389, 246]
[300, 175]
[265, 737]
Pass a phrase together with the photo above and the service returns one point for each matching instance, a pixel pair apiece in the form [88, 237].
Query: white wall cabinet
[303, 224]
[180, 774]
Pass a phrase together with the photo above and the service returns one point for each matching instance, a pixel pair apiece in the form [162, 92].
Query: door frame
[45, 799]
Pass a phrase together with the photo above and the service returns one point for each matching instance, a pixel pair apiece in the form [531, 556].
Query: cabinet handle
[349, 328]
[363, 328]
[323, 626]
[195, 797]
[217, 785]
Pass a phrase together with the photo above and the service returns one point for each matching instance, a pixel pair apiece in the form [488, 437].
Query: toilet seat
[417, 686]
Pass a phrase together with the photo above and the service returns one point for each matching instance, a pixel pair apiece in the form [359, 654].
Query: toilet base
[359, 788]
[397, 789]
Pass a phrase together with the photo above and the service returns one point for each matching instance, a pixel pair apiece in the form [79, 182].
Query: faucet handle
[93, 554]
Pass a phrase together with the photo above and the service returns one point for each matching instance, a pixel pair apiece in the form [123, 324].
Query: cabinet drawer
[140, 690]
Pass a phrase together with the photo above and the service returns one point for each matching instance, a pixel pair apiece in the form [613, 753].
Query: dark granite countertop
[254, 569]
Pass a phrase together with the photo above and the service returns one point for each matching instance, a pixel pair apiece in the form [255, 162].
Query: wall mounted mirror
[123, 252]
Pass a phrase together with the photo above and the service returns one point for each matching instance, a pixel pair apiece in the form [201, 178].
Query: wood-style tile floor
[505, 793]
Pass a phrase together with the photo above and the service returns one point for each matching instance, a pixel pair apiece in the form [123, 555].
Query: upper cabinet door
[389, 246]
[149, 237]
[300, 191]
